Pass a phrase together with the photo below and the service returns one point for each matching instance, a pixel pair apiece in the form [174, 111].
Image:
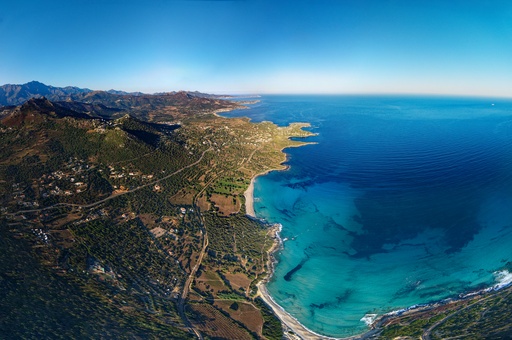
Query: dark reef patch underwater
[402, 201]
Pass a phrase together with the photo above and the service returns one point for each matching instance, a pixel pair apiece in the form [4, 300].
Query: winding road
[90, 205]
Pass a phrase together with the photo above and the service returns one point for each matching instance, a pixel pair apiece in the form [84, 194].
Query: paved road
[190, 279]
[188, 283]
[186, 289]
[90, 205]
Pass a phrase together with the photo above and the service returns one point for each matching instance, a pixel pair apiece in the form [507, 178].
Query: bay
[402, 201]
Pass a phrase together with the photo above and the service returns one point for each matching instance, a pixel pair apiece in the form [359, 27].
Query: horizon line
[285, 93]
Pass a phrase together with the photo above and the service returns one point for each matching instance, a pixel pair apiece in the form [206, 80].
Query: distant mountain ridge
[158, 107]
[12, 94]
[40, 109]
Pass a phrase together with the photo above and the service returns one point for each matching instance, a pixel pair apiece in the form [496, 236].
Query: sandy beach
[298, 331]
[293, 329]
[249, 193]
[249, 199]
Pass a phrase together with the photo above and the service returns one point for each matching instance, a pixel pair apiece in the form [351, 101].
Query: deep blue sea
[402, 201]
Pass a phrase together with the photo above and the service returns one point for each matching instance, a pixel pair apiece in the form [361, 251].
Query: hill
[106, 103]
[163, 107]
[17, 94]
[124, 224]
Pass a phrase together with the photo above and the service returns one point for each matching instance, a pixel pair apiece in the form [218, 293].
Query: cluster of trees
[248, 233]
[144, 272]
[272, 328]
[130, 250]
[38, 303]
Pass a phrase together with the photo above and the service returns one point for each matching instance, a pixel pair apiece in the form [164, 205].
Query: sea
[402, 200]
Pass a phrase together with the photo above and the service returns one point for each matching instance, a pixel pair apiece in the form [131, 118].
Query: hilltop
[121, 223]
[11, 94]
[15, 94]
[106, 104]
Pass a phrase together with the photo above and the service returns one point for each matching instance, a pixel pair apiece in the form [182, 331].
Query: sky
[325, 47]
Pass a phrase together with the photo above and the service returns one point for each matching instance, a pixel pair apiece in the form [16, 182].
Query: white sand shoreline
[289, 322]
[249, 193]
[249, 199]
[293, 329]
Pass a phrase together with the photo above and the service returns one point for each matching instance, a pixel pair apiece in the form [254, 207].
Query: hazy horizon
[255, 95]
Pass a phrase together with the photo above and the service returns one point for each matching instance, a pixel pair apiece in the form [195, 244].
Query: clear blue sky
[359, 46]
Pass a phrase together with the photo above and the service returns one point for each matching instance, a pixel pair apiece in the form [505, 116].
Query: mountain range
[107, 217]
[113, 104]
[13, 94]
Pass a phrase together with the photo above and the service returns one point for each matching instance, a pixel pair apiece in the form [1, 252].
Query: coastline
[289, 322]
[249, 199]
[249, 194]
[293, 329]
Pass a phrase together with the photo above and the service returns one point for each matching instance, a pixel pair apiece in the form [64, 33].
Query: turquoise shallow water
[404, 200]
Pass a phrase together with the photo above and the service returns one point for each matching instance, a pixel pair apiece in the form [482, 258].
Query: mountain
[37, 110]
[65, 287]
[197, 94]
[17, 94]
[11, 94]
[106, 223]
[111, 104]
[112, 91]
[92, 110]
